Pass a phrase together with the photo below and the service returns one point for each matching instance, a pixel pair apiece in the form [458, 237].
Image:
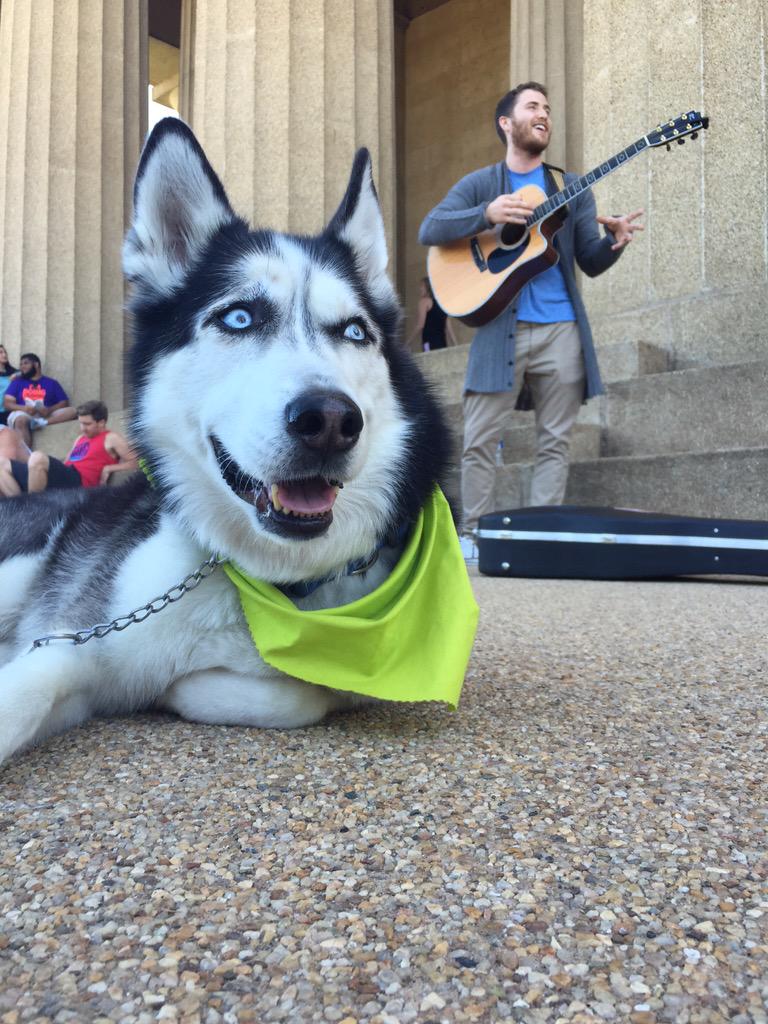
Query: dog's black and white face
[272, 398]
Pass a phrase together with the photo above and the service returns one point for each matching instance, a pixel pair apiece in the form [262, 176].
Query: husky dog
[284, 427]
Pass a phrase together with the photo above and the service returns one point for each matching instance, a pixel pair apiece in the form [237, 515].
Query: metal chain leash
[154, 606]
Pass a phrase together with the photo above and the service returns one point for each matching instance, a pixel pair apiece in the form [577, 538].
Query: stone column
[282, 92]
[546, 47]
[454, 68]
[186, 57]
[71, 117]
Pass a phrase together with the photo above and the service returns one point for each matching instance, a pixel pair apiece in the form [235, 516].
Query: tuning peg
[694, 135]
[669, 146]
[681, 142]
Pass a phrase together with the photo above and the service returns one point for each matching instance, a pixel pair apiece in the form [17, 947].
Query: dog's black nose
[326, 421]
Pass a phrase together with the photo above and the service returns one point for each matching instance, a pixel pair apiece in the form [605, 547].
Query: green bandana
[410, 639]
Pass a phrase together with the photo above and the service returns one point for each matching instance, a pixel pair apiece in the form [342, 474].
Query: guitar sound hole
[513, 234]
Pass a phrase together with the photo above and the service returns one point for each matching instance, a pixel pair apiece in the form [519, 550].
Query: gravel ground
[584, 840]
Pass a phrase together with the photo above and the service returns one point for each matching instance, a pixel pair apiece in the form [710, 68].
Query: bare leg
[8, 486]
[37, 469]
[21, 424]
[12, 446]
[62, 415]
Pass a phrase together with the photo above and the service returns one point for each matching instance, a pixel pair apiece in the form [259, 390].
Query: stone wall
[697, 280]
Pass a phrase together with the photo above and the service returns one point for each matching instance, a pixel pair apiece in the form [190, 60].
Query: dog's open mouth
[301, 508]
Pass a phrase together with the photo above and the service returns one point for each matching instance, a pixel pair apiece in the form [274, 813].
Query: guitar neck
[585, 181]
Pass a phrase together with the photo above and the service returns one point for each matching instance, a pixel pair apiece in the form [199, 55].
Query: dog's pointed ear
[359, 223]
[178, 205]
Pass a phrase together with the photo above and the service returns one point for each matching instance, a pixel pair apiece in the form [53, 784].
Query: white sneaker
[468, 549]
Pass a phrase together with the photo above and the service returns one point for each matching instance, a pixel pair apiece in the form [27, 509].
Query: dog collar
[408, 640]
[354, 568]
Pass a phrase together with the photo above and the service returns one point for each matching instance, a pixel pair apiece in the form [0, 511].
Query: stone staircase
[691, 441]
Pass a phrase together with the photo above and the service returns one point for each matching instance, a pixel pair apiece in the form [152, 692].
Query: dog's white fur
[196, 657]
[220, 406]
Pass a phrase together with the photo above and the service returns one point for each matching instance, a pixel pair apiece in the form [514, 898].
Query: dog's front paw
[221, 697]
[41, 693]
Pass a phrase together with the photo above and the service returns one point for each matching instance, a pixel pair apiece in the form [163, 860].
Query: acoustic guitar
[474, 279]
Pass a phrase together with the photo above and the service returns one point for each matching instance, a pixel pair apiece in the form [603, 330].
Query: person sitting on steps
[95, 456]
[32, 400]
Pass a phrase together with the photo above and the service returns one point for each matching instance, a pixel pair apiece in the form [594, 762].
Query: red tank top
[89, 457]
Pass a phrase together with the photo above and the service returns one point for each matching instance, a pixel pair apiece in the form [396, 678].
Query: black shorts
[59, 475]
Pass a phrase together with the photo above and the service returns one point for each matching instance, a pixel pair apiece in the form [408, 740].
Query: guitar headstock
[677, 129]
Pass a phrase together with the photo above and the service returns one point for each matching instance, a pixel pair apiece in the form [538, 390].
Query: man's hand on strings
[621, 228]
[507, 209]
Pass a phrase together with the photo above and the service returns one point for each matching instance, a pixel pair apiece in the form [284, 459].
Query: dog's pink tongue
[309, 497]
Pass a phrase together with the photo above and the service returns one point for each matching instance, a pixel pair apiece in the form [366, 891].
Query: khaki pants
[549, 357]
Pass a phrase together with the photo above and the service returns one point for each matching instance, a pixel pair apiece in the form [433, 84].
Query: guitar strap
[559, 179]
[557, 174]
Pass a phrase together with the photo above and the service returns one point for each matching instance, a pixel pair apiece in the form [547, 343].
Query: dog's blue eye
[355, 332]
[238, 319]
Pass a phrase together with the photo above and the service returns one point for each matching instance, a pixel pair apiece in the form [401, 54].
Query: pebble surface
[584, 840]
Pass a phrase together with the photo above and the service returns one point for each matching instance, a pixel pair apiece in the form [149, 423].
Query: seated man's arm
[48, 410]
[11, 402]
[119, 449]
[57, 397]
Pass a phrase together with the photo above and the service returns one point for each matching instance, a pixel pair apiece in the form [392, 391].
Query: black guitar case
[570, 542]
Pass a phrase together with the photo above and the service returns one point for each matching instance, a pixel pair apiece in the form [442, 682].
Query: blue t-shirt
[545, 299]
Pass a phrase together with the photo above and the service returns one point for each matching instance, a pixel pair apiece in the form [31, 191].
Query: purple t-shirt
[46, 390]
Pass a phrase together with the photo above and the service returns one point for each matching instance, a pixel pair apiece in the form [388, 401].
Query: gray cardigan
[462, 213]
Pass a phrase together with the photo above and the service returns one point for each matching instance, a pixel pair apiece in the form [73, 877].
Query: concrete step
[621, 360]
[445, 368]
[727, 483]
[513, 485]
[626, 360]
[454, 413]
[520, 435]
[520, 441]
[693, 410]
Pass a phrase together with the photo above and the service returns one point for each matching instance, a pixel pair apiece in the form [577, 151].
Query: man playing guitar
[542, 338]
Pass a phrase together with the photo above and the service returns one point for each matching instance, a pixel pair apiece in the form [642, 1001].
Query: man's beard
[30, 374]
[527, 140]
